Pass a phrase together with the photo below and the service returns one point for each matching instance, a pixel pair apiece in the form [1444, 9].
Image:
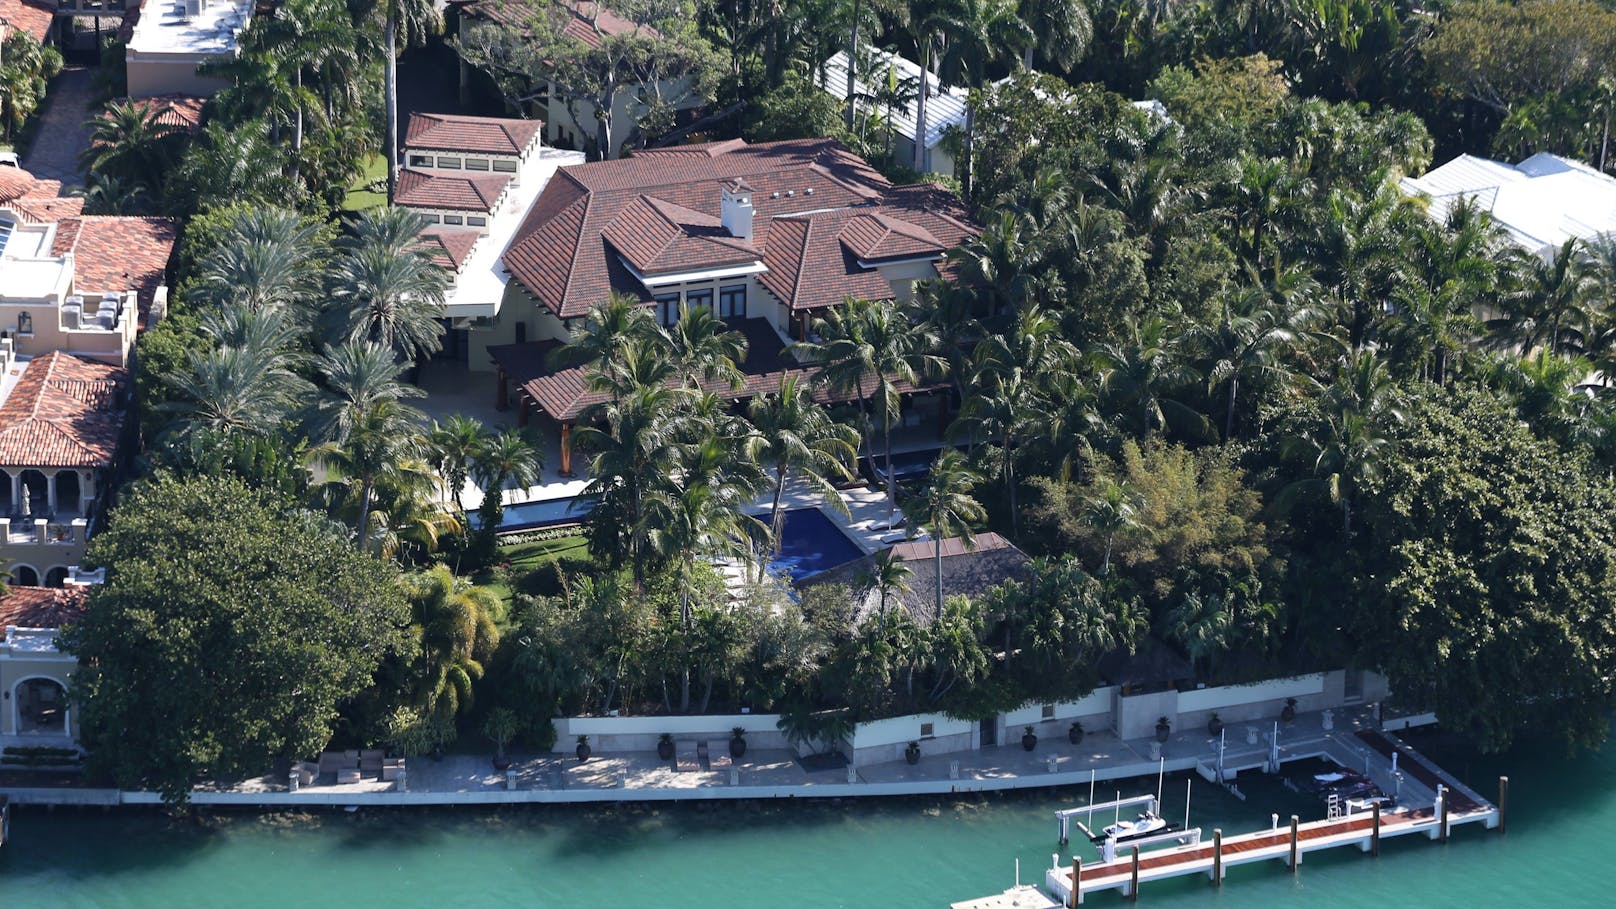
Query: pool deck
[463, 779]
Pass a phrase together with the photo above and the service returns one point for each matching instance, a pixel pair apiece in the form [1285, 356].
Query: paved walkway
[62, 135]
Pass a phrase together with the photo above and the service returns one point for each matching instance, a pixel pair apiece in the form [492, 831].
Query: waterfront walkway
[763, 774]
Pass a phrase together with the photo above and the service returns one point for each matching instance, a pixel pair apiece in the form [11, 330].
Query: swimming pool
[810, 543]
[543, 513]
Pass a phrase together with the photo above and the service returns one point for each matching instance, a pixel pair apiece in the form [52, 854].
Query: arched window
[55, 576]
[25, 576]
[25, 324]
[41, 707]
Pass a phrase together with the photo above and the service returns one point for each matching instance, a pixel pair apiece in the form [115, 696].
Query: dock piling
[1442, 825]
[1296, 852]
[1133, 885]
[1503, 803]
[1077, 882]
[1374, 835]
[1217, 856]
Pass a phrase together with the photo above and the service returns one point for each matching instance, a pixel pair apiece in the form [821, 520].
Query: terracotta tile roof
[968, 572]
[449, 189]
[63, 412]
[565, 394]
[118, 253]
[15, 183]
[878, 236]
[31, 17]
[175, 111]
[449, 247]
[489, 135]
[42, 209]
[40, 607]
[566, 253]
[518, 13]
[659, 237]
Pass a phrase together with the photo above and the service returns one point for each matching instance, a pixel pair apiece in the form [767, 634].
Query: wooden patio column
[502, 393]
[566, 449]
[521, 410]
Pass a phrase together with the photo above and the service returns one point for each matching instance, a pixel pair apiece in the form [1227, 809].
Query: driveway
[62, 136]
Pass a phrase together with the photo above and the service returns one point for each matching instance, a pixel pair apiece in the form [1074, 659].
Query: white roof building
[1541, 202]
[945, 105]
[173, 37]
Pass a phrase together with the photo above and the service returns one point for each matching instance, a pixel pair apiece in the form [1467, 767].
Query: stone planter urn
[1214, 726]
[912, 753]
[1074, 734]
[1029, 740]
[1164, 730]
[583, 750]
[664, 747]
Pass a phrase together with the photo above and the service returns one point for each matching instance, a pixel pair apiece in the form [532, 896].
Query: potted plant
[737, 743]
[500, 727]
[664, 746]
[1214, 725]
[583, 749]
[1288, 713]
[1029, 740]
[1074, 733]
[912, 753]
[1164, 730]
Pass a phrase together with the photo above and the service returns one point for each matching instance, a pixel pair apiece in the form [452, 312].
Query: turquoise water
[921, 853]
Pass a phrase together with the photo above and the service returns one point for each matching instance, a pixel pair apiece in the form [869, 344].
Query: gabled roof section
[449, 247]
[876, 236]
[40, 607]
[659, 237]
[182, 112]
[449, 189]
[15, 183]
[31, 17]
[63, 412]
[585, 21]
[945, 106]
[114, 254]
[1541, 202]
[478, 135]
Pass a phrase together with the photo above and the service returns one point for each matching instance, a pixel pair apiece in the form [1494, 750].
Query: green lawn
[360, 196]
[526, 558]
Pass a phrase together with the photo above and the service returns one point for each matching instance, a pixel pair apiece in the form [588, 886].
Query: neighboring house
[174, 111]
[570, 125]
[62, 424]
[1541, 202]
[967, 571]
[473, 179]
[168, 39]
[768, 236]
[945, 105]
[35, 18]
[34, 673]
[82, 284]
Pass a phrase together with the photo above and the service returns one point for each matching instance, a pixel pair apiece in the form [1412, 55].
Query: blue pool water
[811, 543]
[545, 513]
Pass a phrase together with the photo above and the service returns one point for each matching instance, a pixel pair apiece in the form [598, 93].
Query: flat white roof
[1541, 202]
[164, 27]
[479, 288]
[945, 106]
[28, 272]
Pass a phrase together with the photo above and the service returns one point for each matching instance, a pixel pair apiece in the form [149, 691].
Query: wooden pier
[1431, 802]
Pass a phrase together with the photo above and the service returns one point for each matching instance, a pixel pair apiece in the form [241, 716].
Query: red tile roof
[566, 253]
[449, 189]
[63, 412]
[31, 17]
[660, 237]
[878, 236]
[175, 111]
[40, 607]
[565, 394]
[15, 183]
[583, 21]
[488, 135]
[113, 254]
[449, 247]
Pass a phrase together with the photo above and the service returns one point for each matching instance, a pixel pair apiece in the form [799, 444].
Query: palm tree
[1358, 246]
[458, 628]
[405, 23]
[860, 13]
[1250, 341]
[386, 294]
[946, 506]
[873, 342]
[359, 376]
[507, 457]
[1007, 261]
[457, 444]
[129, 142]
[1112, 512]
[378, 443]
[1202, 625]
[1551, 293]
[795, 435]
[1062, 31]
[928, 21]
[1143, 373]
[607, 331]
[985, 32]
[233, 390]
[636, 440]
[887, 576]
[268, 258]
[704, 349]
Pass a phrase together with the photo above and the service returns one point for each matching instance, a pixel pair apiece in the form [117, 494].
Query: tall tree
[798, 439]
[947, 508]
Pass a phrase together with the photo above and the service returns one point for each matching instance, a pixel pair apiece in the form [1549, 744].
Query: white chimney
[735, 209]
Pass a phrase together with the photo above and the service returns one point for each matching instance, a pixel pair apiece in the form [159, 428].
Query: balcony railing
[44, 531]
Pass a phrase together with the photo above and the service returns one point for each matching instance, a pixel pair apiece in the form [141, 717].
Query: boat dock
[1425, 800]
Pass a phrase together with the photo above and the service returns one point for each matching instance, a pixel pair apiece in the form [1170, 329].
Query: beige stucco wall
[167, 75]
[18, 667]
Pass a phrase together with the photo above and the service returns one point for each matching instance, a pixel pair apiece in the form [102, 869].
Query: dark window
[732, 301]
[926, 730]
[699, 299]
[476, 164]
[1049, 711]
[420, 160]
[25, 324]
[521, 332]
[667, 308]
[451, 219]
[476, 221]
[504, 167]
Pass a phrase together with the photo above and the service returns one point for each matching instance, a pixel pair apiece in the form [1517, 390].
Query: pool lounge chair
[686, 757]
[718, 754]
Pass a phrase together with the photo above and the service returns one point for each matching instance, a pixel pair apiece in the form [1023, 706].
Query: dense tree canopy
[209, 652]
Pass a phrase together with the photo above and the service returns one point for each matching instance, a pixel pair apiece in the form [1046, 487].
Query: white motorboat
[1147, 824]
